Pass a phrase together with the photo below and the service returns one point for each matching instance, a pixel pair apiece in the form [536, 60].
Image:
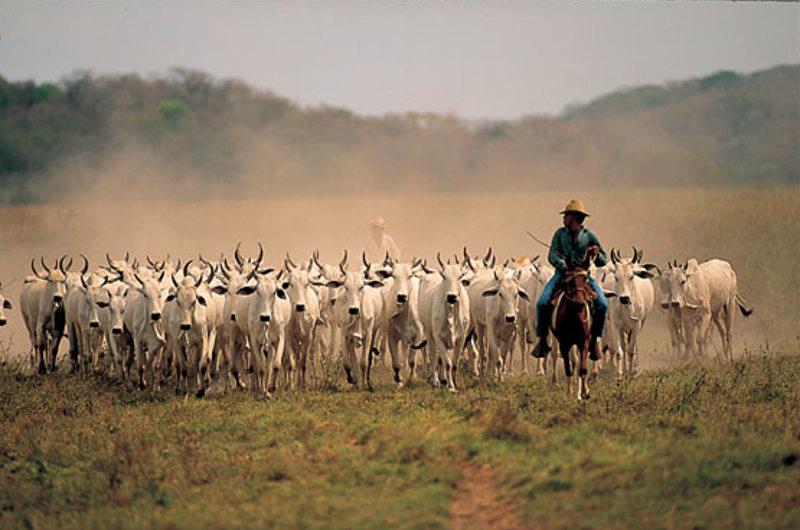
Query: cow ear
[7, 304]
[523, 294]
[202, 300]
[102, 304]
[281, 294]
[219, 289]
[643, 274]
[609, 294]
[170, 297]
[246, 290]
[377, 284]
[383, 273]
[333, 284]
[490, 292]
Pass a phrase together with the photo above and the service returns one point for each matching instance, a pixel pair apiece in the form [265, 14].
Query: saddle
[563, 284]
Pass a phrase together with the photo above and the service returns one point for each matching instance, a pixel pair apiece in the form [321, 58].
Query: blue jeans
[544, 309]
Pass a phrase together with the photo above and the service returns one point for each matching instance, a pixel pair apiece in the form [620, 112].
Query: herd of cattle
[155, 321]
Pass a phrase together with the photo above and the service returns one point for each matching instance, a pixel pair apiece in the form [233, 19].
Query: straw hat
[575, 206]
[379, 222]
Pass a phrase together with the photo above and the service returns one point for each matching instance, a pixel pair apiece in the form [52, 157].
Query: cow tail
[743, 306]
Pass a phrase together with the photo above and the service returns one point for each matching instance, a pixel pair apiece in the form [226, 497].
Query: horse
[572, 324]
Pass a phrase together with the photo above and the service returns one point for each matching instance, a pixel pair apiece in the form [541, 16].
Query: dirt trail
[476, 505]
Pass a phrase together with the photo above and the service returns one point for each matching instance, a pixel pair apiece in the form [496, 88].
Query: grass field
[708, 446]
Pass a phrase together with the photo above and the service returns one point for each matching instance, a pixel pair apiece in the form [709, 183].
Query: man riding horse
[572, 248]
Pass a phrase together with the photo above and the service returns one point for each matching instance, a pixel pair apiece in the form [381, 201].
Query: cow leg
[397, 364]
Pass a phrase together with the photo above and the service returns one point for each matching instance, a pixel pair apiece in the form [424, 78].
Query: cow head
[508, 293]
[55, 278]
[623, 271]
[681, 278]
[149, 287]
[113, 301]
[186, 295]
[453, 279]
[298, 284]
[263, 293]
[353, 286]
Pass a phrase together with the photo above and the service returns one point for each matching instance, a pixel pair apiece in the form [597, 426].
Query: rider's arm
[553, 256]
[601, 259]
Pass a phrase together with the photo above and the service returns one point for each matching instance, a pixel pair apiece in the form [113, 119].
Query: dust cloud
[129, 203]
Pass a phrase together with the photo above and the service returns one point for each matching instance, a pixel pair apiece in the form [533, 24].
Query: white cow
[305, 317]
[707, 293]
[111, 307]
[265, 315]
[143, 305]
[328, 336]
[42, 304]
[444, 312]
[500, 318]
[401, 323]
[359, 310]
[671, 312]
[632, 296]
[83, 321]
[189, 331]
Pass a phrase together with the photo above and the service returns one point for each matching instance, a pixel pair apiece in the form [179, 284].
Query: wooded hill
[226, 138]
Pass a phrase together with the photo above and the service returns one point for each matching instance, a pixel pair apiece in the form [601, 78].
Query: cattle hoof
[453, 390]
[200, 393]
[399, 384]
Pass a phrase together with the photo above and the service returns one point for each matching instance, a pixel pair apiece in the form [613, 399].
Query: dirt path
[476, 505]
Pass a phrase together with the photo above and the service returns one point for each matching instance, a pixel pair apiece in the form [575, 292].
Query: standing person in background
[380, 242]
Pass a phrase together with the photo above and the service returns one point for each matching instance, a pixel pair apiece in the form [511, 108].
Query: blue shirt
[564, 249]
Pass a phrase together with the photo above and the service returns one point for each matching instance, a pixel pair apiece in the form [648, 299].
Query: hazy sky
[477, 60]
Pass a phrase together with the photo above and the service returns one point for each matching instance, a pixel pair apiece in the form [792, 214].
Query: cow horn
[174, 281]
[85, 268]
[635, 253]
[388, 260]
[439, 259]
[44, 265]
[343, 263]
[278, 276]
[535, 258]
[494, 273]
[487, 256]
[33, 268]
[614, 258]
[366, 271]
[341, 268]
[315, 259]
[151, 263]
[186, 268]
[127, 257]
[224, 272]
[83, 282]
[68, 266]
[110, 262]
[260, 255]
[424, 265]
[494, 261]
[288, 260]
[60, 264]
[138, 279]
[364, 259]
[238, 256]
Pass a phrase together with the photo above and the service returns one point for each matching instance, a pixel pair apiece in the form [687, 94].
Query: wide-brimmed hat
[379, 222]
[575, 206]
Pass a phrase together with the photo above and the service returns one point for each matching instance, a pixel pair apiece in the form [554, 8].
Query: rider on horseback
[572, 247]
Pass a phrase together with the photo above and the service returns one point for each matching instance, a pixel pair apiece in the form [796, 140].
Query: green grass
[706, 446]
